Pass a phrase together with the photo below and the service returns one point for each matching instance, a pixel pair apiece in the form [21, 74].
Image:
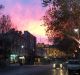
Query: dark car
[58, 64]
[73, 67]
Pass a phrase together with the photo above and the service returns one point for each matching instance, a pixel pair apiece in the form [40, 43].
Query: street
[35, 70]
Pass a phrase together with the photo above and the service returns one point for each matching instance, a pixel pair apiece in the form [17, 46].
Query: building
[31, 46]
[22, 47]
[53, 52]
[40, 50]
[40, 53]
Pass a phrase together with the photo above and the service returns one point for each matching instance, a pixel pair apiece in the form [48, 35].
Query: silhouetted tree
[5, 43]
[61, 18]
[5, 23]
[1, 6]
[66, 44]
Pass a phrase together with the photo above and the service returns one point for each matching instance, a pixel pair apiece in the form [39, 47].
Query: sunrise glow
[27, 15]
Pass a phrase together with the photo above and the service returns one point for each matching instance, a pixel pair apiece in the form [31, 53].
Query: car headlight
[54, 65]
[61, 65]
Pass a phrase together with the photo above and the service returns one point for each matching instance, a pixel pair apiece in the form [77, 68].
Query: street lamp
[21, 49]
[78, 36]
[77, 31]
[22, 46]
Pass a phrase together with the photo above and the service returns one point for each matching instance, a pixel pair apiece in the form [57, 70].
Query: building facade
[30, 46]
[22, 47]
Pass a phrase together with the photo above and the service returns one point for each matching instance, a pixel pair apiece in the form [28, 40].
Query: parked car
[73, 67]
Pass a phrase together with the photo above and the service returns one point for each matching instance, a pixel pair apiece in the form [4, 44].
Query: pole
[78, 39]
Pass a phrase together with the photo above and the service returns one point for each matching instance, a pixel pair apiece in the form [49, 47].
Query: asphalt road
[34, 70]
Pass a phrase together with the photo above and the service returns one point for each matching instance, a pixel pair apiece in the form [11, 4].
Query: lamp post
[21, 50]
[78, 38]
[77, 31]
[21, 57]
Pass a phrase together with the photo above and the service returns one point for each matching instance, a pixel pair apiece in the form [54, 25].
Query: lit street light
[22, 46]
[78, 40]
[77, 31]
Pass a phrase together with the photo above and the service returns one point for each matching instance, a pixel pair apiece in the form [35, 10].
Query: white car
[73, 67]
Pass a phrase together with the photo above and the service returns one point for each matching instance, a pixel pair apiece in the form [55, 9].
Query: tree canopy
[5, 21]
[61, 18]
[5, 26]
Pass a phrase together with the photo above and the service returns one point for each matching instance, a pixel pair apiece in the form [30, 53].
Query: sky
[26, 15]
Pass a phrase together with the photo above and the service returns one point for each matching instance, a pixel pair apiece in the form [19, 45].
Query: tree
[66, 44]
[5, 23]
[1, 7]
[61, 18]
[5, 43]
[8, 41]
[5, 26]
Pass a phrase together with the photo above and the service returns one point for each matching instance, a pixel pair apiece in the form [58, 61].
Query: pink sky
[27, 15]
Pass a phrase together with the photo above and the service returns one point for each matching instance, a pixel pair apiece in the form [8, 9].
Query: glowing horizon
[26, 15]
